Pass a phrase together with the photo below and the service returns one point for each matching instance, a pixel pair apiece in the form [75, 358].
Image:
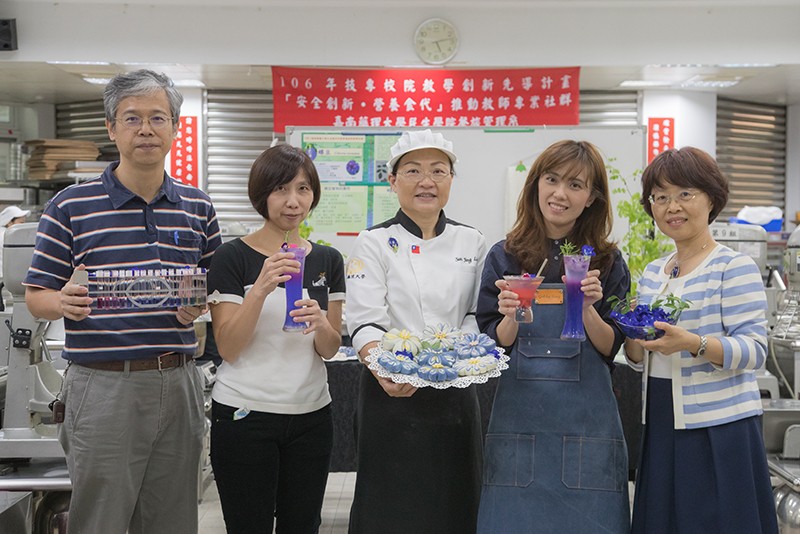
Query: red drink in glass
[525, 287]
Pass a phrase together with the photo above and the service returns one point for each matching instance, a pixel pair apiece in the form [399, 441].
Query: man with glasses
[133, 418]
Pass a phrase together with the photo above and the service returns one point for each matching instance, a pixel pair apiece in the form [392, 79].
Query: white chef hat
[11, 213]
[417, 140]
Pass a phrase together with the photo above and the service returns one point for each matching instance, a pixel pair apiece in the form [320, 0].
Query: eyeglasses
[134, 122]
[681, 198]
[416, 175]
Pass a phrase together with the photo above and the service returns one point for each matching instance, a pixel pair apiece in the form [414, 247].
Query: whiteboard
[483, 195]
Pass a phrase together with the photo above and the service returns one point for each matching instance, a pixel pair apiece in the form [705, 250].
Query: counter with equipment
[781, 419]
[31, 457]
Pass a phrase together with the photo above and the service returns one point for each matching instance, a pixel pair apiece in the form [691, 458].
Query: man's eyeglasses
[134, 122]
[681, 198]
[416, 175]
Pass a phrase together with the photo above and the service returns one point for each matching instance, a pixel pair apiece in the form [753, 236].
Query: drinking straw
[542, 267]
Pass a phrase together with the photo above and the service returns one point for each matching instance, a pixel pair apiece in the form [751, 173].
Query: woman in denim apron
[555, 458]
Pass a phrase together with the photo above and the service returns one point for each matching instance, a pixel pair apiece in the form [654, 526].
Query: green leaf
[568, 249]
[642, 242]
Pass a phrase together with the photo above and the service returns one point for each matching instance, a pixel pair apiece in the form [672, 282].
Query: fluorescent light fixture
[711, 82]
[645, 83]
[678, 66]
[188, 83]
[148, 64]
[103, 63]
[97, 81]
[747, 65]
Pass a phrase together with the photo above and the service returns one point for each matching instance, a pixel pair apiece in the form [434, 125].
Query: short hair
[686, 167]
[138, 83]
[275, 167]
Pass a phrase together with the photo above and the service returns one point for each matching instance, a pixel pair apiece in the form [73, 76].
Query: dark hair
[275, 167]
[137, 83]
[527, 240]
[686, 167]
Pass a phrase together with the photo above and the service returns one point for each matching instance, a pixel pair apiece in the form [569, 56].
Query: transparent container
[148, 288]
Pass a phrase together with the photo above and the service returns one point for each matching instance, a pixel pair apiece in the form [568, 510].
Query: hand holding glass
[294, 289]
[575, 267]
[525, 287]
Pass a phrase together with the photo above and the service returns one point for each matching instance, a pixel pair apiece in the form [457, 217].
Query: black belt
[165, 361]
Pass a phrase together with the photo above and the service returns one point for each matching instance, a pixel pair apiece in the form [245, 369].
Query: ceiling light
[746, 65]
[678, 66]
[188, 83]
[711, 82]
[97, 81]
[645, 83]
[104, 63]
[148, 64]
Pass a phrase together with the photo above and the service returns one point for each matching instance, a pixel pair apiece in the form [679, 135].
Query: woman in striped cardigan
[703, 465]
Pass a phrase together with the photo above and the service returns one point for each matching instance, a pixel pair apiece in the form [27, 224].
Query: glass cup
[575, 267]
[294, 289]
[525, 287]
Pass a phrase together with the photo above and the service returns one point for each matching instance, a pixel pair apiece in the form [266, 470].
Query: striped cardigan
[727, 302]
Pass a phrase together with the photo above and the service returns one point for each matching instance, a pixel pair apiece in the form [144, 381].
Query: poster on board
[480, 195]
[355, 187]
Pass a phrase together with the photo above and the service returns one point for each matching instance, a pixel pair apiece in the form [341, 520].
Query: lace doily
[416, 381]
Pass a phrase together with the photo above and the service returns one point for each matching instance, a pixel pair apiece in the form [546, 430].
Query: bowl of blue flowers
[636, 321]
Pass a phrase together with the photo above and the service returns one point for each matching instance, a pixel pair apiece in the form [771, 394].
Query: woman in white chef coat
[419, 450]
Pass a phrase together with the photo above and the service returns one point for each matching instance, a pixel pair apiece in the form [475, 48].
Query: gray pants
[133, 442]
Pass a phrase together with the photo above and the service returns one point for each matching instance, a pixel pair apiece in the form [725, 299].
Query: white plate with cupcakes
[441, 357]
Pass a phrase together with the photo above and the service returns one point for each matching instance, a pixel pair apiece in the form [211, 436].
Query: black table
[343, 377]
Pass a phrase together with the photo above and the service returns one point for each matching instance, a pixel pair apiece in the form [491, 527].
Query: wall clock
[436, 41]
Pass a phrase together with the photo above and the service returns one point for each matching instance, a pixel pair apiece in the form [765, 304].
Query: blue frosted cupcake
[398, 363]
[437, 373]
[431, 357]
[474, 346]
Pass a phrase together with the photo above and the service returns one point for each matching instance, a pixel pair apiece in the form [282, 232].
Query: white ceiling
[40, 82]
[230, 44]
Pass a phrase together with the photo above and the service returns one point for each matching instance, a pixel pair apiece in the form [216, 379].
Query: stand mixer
[33, 381]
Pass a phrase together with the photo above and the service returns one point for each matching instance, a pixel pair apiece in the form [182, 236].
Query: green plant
[567, 248]
[305, 232]
[642, 242]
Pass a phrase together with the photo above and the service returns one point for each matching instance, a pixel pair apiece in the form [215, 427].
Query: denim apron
[556, 459]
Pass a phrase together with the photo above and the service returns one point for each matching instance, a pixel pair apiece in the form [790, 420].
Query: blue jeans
[271, 467]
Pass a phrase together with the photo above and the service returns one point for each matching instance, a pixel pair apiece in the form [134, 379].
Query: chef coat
[396, 279]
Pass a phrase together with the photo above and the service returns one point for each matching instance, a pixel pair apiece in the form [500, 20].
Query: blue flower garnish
[587, 250]
[406, 353]
[637, 321]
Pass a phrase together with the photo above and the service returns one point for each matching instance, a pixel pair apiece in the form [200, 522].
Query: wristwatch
[703, 344]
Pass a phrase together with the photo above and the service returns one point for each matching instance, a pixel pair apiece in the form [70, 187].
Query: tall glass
[294, 289]
[525, 287]
[575, 267]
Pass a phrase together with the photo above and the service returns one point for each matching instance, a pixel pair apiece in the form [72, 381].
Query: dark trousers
[271, 467]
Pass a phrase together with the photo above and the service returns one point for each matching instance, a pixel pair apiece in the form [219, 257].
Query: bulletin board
[484, 191]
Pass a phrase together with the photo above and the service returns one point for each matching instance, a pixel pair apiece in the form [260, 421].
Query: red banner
[421, 98]
[183, 156]
[660, 136]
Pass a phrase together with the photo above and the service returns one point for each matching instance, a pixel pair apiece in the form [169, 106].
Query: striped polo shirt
[103, 225]
[728, 303]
